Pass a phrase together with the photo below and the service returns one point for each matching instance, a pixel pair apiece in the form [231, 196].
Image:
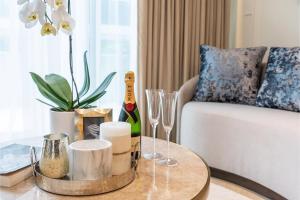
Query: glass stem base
[168, 162]
[152, 156]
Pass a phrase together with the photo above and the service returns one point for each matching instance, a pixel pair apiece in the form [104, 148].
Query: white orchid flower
[63, 21]
[32, 12]
[48, 29]
[57, 3]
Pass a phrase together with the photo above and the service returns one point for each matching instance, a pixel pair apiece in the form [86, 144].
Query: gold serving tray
[66, 186]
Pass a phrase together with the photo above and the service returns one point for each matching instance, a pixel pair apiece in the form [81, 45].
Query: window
[4, 26]
[116, 12]
[117, 49]
[106, 28]
[4, 8]
[4, 43]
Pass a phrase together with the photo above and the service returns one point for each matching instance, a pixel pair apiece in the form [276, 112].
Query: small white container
[90, 159]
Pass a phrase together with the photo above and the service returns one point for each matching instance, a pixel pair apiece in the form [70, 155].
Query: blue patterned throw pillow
[281, 86]
[229, 75]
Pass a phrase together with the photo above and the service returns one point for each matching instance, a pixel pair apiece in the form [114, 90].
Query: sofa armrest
[185, 95]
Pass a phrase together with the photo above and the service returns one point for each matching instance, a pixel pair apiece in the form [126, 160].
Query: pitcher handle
[33, 159]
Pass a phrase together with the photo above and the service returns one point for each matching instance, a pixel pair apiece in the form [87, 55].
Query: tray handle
[135, 156]
[33, 159]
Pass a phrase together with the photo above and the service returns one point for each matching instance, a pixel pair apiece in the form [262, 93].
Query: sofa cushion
[229, 75]
[281, 86]
[250, 114]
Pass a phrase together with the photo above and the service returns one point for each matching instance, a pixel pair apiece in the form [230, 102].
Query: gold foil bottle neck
[129, 77]
[129, 93]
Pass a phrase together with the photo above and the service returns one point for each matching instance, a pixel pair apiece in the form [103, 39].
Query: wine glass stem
[168, 140]
[154, 136]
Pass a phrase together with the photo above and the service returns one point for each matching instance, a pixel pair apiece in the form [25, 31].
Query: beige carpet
[222, 190]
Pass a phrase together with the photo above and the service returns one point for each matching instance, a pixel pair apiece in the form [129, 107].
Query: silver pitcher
[54, 162]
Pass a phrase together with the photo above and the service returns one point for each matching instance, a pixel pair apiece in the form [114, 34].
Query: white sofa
[259, 144]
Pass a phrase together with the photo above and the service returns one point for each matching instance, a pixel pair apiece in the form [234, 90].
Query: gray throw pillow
[229, 75]
[281, 86]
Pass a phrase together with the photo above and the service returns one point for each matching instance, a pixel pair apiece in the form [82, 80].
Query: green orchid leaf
[60, 86]
[100, 89]
[47, 92]
[87, 107]
[103, 85]
[52, 106]
[48, 104]
[86, 83]
[91, 99]
[60, 104]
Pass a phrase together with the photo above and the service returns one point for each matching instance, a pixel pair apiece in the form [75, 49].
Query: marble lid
[90, 145]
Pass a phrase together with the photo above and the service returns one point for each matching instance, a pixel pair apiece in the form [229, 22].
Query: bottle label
[129, 95]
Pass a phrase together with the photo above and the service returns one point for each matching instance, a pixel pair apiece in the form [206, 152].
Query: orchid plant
[55, 87]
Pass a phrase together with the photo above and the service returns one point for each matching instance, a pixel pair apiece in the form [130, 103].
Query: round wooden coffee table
[188, 180]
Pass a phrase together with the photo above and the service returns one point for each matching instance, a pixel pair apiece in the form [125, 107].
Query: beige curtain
[170, 32]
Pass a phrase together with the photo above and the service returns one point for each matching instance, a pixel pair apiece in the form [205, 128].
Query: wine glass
[153, 102]
[168, 106]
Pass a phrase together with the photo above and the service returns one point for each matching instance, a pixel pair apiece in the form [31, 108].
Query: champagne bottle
[130, 113]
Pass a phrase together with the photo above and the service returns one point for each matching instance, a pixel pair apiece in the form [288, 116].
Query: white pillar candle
[119, 134]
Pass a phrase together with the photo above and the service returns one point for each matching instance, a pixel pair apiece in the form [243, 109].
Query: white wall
[265, 22]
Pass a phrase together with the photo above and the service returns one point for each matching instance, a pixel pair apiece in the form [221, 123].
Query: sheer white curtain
[106, 28]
